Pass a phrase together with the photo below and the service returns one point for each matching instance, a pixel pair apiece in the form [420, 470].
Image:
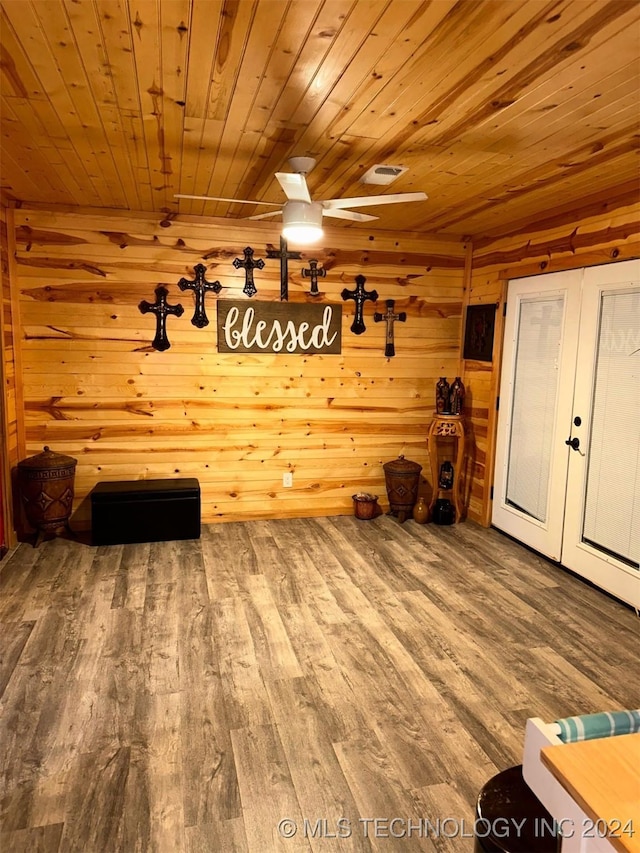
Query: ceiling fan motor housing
[302, 165]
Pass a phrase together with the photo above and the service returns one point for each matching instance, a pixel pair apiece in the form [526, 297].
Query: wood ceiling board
[17, 75]
[28, 27]
[393, 37]
[288, 138]
[520, 209]
[97, 69]
[118, 40]
[530, 69]
[597, 161]
[329, 17]
[503, 93]
[242, 149]
[80, 81]
[277, 90]
[575, 97]
[247, 45]
[428, 87]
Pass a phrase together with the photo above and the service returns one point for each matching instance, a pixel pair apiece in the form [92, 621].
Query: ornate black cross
[161, 310]
[313, 273]
[359, 296]
[390, 317]
[200, 287]
[285, 256]
[248, 265]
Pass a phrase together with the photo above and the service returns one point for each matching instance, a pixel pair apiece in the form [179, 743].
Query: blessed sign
[279, 327]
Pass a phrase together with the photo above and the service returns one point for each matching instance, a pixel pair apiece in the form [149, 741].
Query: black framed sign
[279, 327]
[478, 332]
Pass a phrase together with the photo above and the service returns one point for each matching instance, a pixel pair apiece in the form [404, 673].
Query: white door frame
[602, 569]
[545, 537]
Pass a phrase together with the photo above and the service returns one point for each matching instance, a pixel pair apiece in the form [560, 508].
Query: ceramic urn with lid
[402, 480]
[46, 484]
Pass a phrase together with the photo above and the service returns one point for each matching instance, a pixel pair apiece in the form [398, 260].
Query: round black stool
[511, 819]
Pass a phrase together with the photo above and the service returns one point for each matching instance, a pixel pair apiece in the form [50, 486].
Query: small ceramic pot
[421, 511]
[365, 506]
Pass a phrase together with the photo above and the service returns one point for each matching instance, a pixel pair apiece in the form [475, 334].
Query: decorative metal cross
[248, 265]
[200, 287]
[390, 317]
[313, 273]
[359, 296]
[285, 256]
[161, 310]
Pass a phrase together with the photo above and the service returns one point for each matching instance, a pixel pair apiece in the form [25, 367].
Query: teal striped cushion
[598, 725]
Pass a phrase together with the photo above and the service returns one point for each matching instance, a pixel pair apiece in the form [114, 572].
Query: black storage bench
[145, 511]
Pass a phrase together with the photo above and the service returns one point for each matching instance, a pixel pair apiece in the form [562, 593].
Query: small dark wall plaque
[478, 332]
[279, 327]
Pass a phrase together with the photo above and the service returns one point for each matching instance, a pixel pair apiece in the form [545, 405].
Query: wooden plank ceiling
[505, 112]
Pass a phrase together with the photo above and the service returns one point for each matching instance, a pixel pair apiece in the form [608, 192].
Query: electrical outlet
[287, 479]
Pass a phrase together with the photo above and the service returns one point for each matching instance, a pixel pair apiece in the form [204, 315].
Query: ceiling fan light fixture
[302, 221]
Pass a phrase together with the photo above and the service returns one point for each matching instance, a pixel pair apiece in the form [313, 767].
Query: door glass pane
[533, 415]
[612, 502]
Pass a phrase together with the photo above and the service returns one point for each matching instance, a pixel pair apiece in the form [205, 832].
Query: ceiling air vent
[382, 174]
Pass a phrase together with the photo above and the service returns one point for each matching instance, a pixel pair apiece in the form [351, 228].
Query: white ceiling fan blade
[294, 186]
[230, 200]
[364, 201]
[264, 215]
[349, 214]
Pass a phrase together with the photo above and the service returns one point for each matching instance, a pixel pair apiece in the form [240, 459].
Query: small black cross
[248, 265]
[161, 310]
[285, 256]
[390, 317]
[200, 287]
[359, 296]
[313, 273]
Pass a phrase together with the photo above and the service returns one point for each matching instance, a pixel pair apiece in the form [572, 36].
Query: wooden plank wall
[11, 401]
[95, 389]
[599, 237]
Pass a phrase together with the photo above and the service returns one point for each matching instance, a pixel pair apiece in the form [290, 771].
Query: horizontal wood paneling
[95, 389]
[597, 239]
[11, 414]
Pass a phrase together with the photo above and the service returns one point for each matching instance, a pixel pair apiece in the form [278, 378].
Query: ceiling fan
[302, 217]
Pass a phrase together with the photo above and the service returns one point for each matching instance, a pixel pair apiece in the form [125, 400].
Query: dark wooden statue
[248, 264]
[161, 310]
[200, 287]
[314, 274]
[359, 296]
[390, 317]
[285, 256]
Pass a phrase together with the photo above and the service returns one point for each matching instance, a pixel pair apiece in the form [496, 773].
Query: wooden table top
[603, 777]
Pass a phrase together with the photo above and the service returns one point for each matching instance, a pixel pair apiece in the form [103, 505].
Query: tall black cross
[200, 287]
[390, 317]
[313, 273]
[285, 256]
[161, 310]
[248, 265]
[359, 296]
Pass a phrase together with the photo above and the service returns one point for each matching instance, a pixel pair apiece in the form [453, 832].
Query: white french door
[567, 478]
[539, 358]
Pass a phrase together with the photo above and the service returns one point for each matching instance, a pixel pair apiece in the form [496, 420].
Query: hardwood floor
[190, 696]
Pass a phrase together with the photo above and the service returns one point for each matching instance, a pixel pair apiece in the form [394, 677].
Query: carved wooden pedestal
[447, 427]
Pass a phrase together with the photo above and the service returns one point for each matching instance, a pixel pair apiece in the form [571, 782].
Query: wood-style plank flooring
[190, 696]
